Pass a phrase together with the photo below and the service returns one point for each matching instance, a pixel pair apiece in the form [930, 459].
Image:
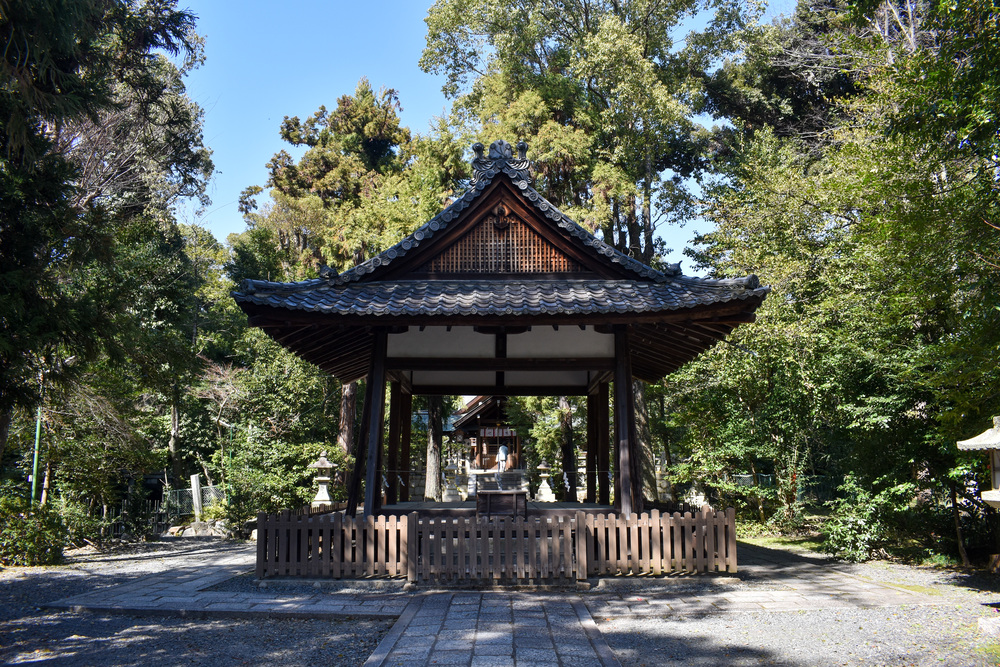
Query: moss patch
[794, 543]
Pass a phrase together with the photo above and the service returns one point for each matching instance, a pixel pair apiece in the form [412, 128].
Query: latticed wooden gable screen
[502, 243]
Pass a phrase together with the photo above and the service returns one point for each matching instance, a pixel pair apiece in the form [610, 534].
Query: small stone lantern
[990, 441]
[544, 494]
[450, 493]
[323, 468]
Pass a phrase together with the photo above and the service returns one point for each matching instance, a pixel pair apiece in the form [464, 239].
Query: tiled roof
[484, 297]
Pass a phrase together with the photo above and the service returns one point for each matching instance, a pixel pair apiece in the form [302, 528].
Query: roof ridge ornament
[501, 159]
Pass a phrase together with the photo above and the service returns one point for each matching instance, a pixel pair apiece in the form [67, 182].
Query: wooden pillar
[406, 428]
[635, 453]
[360, 452]
[375, 397]
[592, 427]
[624, 500]
[603, 444]
[392, 465]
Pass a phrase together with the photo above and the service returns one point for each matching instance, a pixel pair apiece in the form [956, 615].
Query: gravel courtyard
[942, 629]
[30, 634]
[673, 621]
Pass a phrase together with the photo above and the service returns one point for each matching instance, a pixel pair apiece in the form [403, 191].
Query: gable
[538, 238]
[501, 242]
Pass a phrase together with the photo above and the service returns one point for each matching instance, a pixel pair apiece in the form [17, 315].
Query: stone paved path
[494, 628]
[782, 582]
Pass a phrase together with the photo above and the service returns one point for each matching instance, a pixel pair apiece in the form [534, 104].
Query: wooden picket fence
[536, 549]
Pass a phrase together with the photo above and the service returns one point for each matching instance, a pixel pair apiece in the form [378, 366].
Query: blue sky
[266, 60]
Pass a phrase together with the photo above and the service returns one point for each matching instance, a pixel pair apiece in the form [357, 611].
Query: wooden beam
[603, 444]
[406, 428]
[376, 392]
[598, 379]
[673, 344]
[499, 364]
[360, 455]
[395, 426]
[592, 446]
[721, 330]
[340, 348]
[491, 390]
[623, 416]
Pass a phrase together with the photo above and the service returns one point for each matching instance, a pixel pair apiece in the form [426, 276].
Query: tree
[604, 95]
[874, 345]
[435, 441]
[333, 194]
[363, 183]
[70, 66]
[600, 88]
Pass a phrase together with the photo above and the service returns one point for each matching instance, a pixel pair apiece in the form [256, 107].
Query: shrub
[81, 526]
[30, 535]
[859, 526]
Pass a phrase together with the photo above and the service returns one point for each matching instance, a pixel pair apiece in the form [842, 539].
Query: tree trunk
[6, 416]
[45, 482]
[645, 465]
[667, 458]
[175, 430]
[568, 447]
[958, 524]
[647, 211]
[435, 406]
[634, 226]
[348, 416]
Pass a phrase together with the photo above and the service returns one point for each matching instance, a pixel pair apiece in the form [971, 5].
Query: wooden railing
[538, 548]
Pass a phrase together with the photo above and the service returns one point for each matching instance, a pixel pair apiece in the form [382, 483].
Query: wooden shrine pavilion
[482, 426]
[501, 294]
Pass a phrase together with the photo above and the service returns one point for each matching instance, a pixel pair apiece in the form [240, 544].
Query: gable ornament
[501, 217]
[501, 159]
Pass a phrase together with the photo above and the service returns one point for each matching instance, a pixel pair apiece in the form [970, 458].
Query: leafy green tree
[601, 90]
[70, 66]
[363, 183]
[873, 351]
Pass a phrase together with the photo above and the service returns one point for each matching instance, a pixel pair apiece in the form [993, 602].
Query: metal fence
[128, 517]
[820, 488]
[180, 502]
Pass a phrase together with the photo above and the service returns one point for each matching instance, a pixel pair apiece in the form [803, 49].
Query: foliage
[601, 90]
[859, 526]
[363, 183]
[83, 524]
[539, 421]
[29, 535]
[66, 66]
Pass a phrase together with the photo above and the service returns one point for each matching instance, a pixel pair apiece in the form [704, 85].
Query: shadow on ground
[73, 639]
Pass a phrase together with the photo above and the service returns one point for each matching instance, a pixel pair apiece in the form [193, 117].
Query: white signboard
[496, 432]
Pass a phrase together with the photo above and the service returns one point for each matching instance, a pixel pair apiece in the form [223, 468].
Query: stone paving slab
[505, 631]
[491, 628]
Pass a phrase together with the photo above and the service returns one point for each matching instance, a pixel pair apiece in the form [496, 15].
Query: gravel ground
[29, 634]
[941, 634]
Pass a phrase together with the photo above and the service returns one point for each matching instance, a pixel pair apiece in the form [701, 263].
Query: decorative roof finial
[501, 159]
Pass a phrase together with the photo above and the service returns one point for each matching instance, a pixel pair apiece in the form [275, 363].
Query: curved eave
[663, 341]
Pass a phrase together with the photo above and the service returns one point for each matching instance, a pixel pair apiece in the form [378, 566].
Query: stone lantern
[988, 440]
[544, 494]
[450, 493]
[323, 468]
